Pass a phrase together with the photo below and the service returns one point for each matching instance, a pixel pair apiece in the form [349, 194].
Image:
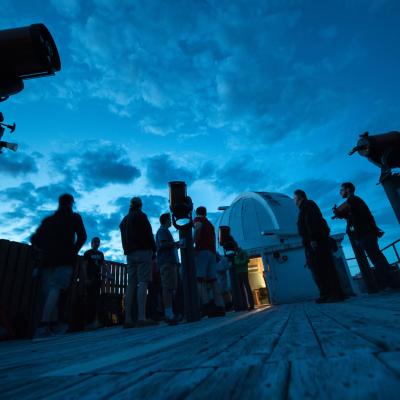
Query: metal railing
[391, 246]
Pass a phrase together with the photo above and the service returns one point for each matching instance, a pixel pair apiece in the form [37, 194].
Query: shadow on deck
[339, 351]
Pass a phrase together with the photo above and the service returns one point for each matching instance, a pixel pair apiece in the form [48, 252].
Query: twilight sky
[228, 95]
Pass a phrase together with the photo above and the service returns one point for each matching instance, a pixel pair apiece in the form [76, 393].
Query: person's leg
[330, 274]
[166, 271]
[211, 275]
[249, 292]
[379, 261]
[144, 277]
[312, 265]
[201, 273]
[130, 289]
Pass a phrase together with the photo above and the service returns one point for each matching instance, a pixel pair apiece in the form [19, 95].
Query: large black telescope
[383, 149]
[26, 53]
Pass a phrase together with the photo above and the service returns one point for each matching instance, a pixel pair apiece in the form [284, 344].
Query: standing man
[168, 262]
[362, 227]
[139, 246]
[93, 263]
[242, 271]
[59, 239]
[315, 231]
[206, 268]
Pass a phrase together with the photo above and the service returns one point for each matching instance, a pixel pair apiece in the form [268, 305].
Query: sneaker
[128, 325]
[145, 323]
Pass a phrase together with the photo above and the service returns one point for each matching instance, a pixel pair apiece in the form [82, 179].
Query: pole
[391, 185]
[189, 281]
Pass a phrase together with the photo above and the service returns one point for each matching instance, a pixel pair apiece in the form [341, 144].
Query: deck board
[305, 350]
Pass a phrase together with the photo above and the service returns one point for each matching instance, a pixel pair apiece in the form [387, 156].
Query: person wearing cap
[59, 239]
[139, 246]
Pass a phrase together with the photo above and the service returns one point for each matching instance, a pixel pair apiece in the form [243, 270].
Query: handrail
[393, 244]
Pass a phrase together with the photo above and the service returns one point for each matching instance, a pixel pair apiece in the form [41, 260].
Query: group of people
[362, 230]
[60, 237]
[221, 280]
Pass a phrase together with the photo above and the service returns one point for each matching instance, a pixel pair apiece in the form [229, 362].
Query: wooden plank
[335, 339]
[18, 283]
[4, 249]
[91, 351]
[371, 326]
[9, 275]
[391, 360]
[255, 344]
[360, 376]
[258, 381]
[40, 388]
[298, 340]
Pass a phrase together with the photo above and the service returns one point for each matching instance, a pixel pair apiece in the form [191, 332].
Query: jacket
[311, 225]
[136, 232]
[59, 238]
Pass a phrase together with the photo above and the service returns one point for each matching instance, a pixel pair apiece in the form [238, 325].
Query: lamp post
[181, 207]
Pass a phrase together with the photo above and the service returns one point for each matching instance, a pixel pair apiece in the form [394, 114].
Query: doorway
[257, 282]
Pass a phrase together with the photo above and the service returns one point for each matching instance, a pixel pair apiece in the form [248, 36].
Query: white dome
[252, 213]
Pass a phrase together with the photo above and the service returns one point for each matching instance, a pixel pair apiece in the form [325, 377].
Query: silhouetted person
[242, 271]
[92, 271]
[362, 227]
[206, 268]
[168, 262]
[59, 238]
[139, 245]
[315, 231]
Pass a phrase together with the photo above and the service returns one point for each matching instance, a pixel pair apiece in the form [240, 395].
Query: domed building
[265, 225]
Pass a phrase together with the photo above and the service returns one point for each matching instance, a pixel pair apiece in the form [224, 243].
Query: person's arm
[165, 240]
[80, 231]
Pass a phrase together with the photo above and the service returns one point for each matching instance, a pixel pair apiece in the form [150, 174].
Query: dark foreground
[349, 350]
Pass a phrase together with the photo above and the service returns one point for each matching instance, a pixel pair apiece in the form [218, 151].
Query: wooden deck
[347, 350]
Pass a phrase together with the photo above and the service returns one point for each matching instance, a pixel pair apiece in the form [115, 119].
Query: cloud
[162, 169]
[67, 8]
[97, 166]
[18, 164]
[153, 205]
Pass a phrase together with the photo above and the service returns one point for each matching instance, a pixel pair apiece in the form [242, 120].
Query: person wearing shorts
[139, 245]
[206, 265]
[168, 262]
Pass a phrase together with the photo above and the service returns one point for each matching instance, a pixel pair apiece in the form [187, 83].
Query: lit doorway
[257, 281]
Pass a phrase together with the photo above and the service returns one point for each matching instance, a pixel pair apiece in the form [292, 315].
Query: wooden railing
[20, 305]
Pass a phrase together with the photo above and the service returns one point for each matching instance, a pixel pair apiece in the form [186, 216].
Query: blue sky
[228, 95]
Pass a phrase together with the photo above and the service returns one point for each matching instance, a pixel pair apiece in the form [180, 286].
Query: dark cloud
[241, 174]
[96, 167]
[162, 169]
[18, 164]
[31, 204]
